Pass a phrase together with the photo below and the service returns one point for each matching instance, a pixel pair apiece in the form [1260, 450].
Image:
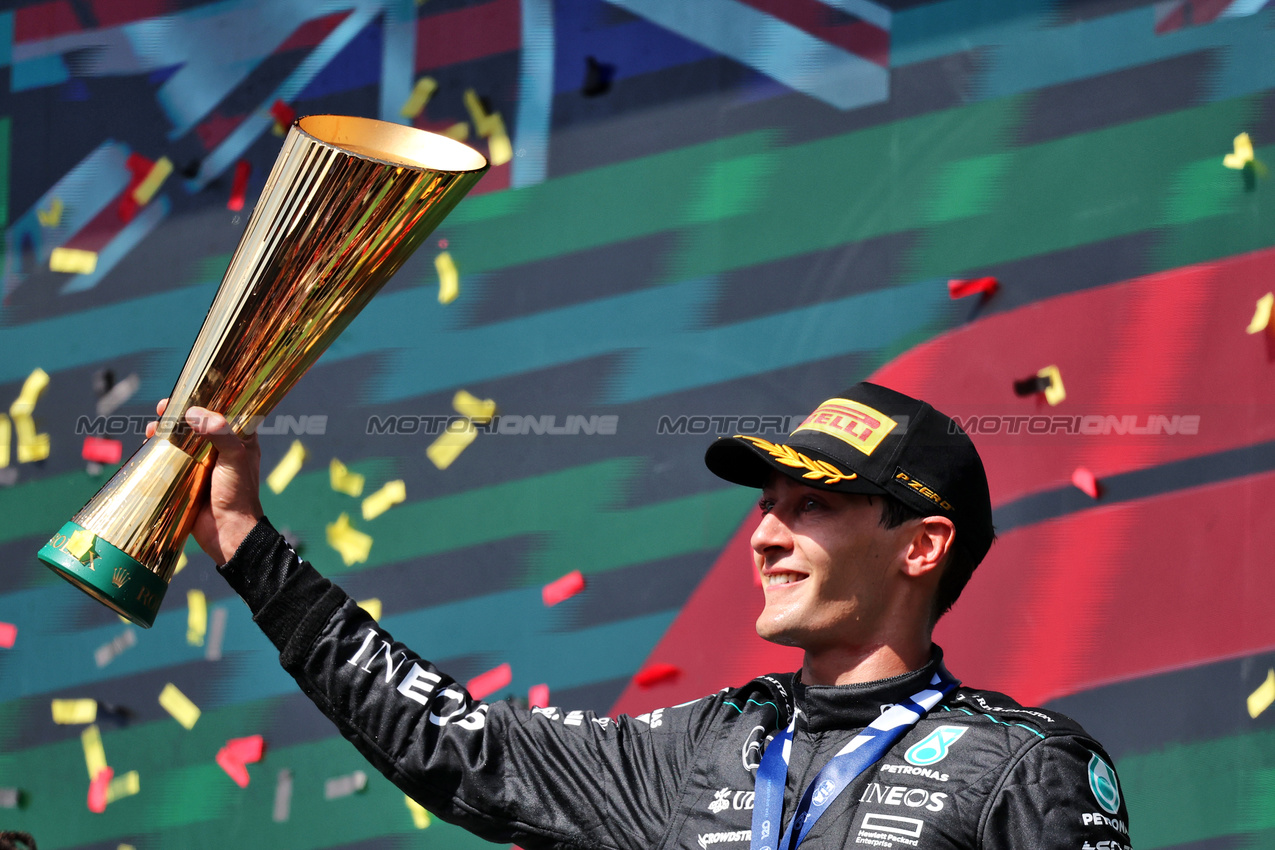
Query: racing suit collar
[839, 707]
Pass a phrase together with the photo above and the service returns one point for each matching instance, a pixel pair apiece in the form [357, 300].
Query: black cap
[871, 439]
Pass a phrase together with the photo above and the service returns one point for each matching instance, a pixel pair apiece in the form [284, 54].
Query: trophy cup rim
[393, 144]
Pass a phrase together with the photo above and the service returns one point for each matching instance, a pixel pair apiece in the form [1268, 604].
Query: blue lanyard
[854, 758]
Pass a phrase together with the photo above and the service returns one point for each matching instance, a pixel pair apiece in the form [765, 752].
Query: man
[873, 514]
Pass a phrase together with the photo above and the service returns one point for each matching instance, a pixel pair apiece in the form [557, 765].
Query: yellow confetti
[68, 712]
[94, 753]
[53, 215]
[5, 432]
[1055, 392]
[32, 447]
[458, 131]
[448, 278]
[479, 410]
[80, 542]
[449, 444]
[372, 607]
[1243, 154]
[1261, 317]
[123, 786]
[181, 564]
[32, 387]
[392, 493]
[478, 113]
[196, 617]
[421, 93]
[499, 149]
[1261, 699]
[353, 545]
[72, 261]
[179, 706]
[154, 179]
[344, 481]
[287, 468]
[420, 817]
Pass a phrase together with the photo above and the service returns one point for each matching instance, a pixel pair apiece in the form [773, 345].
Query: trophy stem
[123, 546]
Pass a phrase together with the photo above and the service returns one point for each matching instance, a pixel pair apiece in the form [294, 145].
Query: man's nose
[771, 533]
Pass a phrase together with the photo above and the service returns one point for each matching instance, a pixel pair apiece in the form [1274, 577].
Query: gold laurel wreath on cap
[789, 456]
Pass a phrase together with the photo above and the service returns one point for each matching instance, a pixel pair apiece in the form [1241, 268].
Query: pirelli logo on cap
[851, 422]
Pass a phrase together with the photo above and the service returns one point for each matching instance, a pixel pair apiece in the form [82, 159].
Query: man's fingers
[161, 406]
[215, 428]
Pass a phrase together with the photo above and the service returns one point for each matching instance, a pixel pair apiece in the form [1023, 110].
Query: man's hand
[232, 505]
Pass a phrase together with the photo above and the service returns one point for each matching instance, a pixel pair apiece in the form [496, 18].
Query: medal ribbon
[855, 757]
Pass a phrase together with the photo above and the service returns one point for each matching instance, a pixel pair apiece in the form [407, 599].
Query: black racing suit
[977, 771]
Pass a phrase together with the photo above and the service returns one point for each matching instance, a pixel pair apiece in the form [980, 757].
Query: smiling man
[872, 516]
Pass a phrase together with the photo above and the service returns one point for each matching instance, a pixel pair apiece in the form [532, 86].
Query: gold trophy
[347, 202]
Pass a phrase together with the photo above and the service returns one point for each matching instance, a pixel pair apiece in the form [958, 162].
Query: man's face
[827, 566]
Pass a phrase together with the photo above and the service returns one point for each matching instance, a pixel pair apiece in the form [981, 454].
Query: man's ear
[931, 541]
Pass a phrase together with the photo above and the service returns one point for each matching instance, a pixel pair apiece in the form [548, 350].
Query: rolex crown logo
[119, 576]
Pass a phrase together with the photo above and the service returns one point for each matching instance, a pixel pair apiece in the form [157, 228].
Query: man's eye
[765, 505]
[810, 505]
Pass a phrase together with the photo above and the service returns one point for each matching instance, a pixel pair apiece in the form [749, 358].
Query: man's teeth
[782, 578]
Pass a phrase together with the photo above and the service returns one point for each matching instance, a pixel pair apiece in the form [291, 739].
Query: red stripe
[1110, 593]
[114, 13]
[1121, 592]
[44, 20]
[101, 229]
[312, 33]
[1169, 344]
[858, 37]
[468, 34]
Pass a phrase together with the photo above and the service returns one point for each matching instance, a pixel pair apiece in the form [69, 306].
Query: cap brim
[740, 462]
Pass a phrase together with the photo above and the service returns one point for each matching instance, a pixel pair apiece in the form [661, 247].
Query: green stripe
[189, 797]
[39, 507]
[577, 517]
[1202, 790]
[952, 174]
[1094, 186]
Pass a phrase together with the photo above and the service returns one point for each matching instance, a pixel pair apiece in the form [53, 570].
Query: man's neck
[856, 665]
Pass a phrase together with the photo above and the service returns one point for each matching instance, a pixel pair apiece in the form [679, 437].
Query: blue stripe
[398, 57]
[536, 640]
[133, 329]
[535, 95]
[658, 325]
[151, 216]
[773, 47]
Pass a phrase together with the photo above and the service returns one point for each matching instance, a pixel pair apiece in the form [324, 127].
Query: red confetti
[102, 450]
[1085, 480]
[128, 207]
[8, 634]
[247, 750]
[563, 588]
[654, 674]
[97, 790]
[234, 768]
[965, 288]
[538, 696]
[239, 187]
[283, 114]
[488, 683]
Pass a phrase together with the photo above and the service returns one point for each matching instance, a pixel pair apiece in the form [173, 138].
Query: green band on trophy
[105, 573]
